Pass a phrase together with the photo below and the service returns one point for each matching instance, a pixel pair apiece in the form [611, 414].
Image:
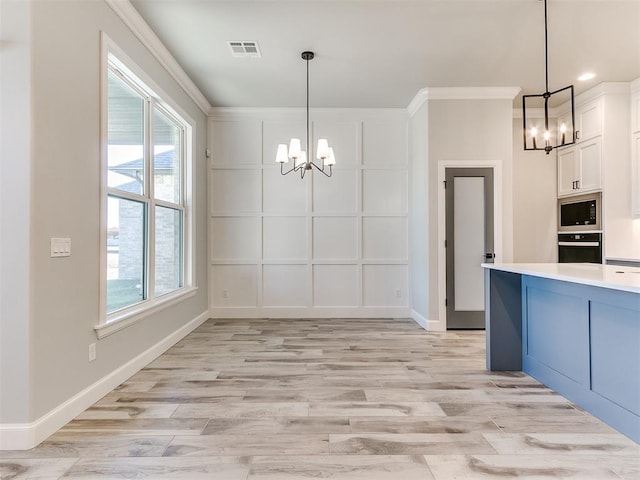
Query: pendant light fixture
[301, 160]
[548, 135]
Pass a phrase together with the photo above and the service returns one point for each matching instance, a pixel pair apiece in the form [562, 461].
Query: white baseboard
[309, 312]
[420, 320]
[429, 325]
[23, 436]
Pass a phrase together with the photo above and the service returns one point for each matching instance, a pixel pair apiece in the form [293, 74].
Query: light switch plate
[60, 247]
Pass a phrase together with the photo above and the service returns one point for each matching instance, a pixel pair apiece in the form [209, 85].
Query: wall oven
[580, 229]
[580, 247]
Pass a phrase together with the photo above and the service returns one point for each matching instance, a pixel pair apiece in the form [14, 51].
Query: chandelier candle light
[301, 161]
[553, 136]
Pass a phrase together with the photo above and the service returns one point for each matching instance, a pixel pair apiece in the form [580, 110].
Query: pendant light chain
[546, 49]
[308, 151]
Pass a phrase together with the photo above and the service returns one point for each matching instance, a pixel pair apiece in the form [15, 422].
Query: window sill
[130, 317]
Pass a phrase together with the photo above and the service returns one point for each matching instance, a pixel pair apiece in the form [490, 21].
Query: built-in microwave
[581, 213]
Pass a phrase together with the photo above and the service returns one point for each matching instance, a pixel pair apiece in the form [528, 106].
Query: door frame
[496, 166]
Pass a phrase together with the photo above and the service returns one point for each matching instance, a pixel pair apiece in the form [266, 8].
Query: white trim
[472, 93]
[298, 113]
[309, 312]
[130, 16]
[605, 88]
[497, 224]
[141, 311]
[420, 99]
[113, 57]
[140, 77]
[419, 319]
[23, 436]
[634, 86]
[428, 325]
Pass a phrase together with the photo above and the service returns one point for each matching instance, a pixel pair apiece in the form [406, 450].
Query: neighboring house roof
[163, 164]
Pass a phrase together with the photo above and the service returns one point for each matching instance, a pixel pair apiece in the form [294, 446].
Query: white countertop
[606, 276]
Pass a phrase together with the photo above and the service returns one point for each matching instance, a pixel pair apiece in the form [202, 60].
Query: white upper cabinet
[590, 165]
[635, 179]
[635, 112]
[589, 120]
[567, 171]
[635, 150]
[580, 167]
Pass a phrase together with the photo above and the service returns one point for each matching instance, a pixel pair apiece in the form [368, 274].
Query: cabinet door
[589, 120]
[590, 165]
[567, 171]
[635, 169]
[635, 112]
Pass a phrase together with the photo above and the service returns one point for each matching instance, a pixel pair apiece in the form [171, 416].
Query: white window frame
[136, 77]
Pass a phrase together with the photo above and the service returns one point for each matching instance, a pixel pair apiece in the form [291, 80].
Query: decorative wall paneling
[281, 246]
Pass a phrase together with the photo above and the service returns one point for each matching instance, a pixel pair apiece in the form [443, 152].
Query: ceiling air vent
[242, 49]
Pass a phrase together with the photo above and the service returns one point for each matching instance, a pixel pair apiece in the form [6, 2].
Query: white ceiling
[377, 53]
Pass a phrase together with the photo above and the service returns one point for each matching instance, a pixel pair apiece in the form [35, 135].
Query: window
[145, 189]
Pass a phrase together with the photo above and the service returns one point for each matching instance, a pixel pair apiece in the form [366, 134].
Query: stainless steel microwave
[581, 213]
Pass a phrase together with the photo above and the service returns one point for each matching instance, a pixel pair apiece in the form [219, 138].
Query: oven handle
[579, 244]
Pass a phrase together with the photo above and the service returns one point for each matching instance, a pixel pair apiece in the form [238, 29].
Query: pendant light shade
[294, 148]
[303, 159]
[281, 155]
[538, 131]
[331, 159]
[322, 151]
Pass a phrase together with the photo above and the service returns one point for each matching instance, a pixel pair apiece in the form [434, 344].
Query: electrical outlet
[92, 352]
[398, 293]
[225, 294]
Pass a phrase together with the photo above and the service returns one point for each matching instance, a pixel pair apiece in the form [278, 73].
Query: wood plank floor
[344, 399]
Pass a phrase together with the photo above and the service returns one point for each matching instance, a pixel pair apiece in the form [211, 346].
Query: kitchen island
[573, 327]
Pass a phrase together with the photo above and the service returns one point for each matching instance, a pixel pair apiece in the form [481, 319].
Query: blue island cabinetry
[581, 340]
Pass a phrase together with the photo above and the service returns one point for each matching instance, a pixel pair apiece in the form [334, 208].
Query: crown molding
[604, 88]
[473, 93]
[635, 85]
[420, 99]
[460, 93]
[149, 39]
[297, 113]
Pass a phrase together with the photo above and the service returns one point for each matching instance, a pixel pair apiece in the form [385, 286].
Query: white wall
[621, 234]
[316, 247]
[454, 127]
[535, 223]
[419, 145]
[467, 132]
[55, 164]
[15, 173]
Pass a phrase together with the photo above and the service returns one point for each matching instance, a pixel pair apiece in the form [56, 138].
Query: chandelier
[301, 161]
[553, 136]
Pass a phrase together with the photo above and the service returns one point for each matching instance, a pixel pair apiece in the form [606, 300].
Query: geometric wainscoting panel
[285, 246]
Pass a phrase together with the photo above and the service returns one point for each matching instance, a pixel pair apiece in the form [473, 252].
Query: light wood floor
[341, 399]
